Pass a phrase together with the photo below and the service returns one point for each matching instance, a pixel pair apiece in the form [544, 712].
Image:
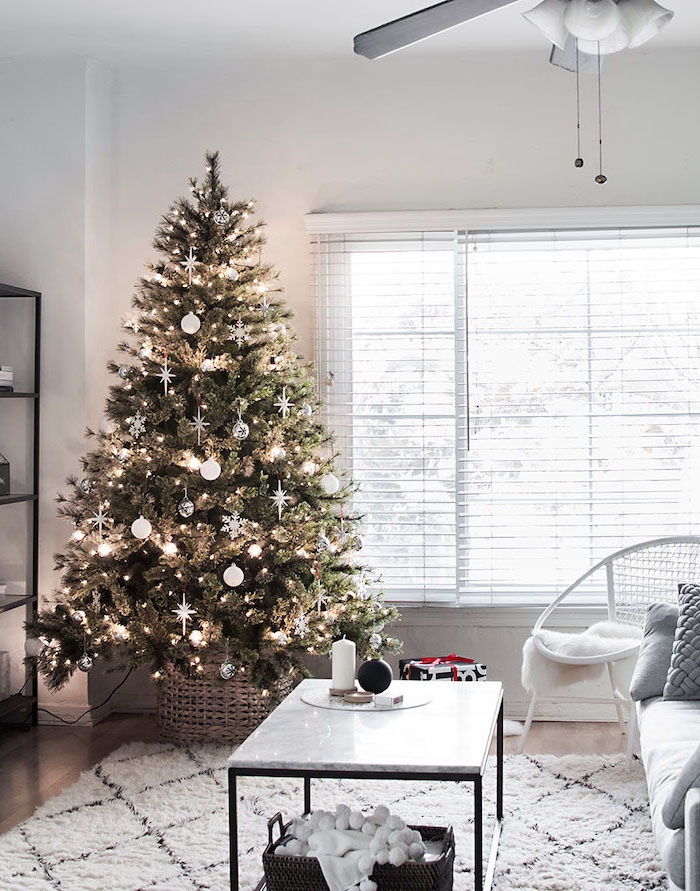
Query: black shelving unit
[21, 708]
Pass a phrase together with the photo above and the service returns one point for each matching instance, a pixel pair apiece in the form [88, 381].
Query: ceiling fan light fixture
[643, 19]
[548, 17]
[592, 19]
[618, 40]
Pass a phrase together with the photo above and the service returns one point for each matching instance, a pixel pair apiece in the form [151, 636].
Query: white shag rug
[154, 816]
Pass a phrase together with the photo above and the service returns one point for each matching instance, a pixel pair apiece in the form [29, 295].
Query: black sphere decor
[375, 675]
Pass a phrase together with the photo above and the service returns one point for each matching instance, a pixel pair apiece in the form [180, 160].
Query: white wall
[89, 164]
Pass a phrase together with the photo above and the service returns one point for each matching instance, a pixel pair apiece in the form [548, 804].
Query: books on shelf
[7, 379]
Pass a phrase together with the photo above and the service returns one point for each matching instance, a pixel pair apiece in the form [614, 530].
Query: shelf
[12, 291]
[14, 499]
[7, 605]
[17, 395]
[16, 703]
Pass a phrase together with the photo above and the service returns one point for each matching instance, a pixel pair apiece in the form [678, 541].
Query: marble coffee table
[447, 739]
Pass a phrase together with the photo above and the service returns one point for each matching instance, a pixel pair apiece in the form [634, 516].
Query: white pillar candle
[343, 665]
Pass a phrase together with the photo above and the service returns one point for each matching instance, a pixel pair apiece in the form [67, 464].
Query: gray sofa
[669, 734]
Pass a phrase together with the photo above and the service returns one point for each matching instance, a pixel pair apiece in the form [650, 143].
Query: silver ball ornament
[123, 454]
[86, 485]
[144, 353]
[124, 371]
[227, 670]
[190, 323]
[85, 662]
[207, 365]
[375, 641]
[356, 543]
[185, 508]
[306, 410]
[322, 543]
[241, 430]
[221, 217]
[231, 274]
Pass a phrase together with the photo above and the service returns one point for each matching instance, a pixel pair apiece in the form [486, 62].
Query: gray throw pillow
[654, 659]
[673, 811]
[683, 681]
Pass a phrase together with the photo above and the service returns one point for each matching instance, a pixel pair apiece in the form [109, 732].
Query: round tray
[323, 699]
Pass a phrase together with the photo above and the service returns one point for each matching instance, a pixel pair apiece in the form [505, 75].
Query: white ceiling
[115, 30]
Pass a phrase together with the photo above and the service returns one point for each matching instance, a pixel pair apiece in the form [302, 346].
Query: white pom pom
[406, 835]
[315, 817]
[356, 820]
[397, 856]
[293, 847]
[383, 832]
[416, 836]
[394, 838]
[342, 809]
[365, 863]
[342, 822]
[416, 851]
[380, 814]
[304, 832]
[368, 828]
[326, 822]
[314, 842]
[368, 885]
[376, 845]
[304, 851]
[382, 857]
[394, 822]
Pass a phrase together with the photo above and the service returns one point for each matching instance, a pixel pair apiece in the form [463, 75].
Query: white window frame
[522, 219]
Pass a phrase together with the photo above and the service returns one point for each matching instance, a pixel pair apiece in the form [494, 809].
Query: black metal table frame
[481, 882]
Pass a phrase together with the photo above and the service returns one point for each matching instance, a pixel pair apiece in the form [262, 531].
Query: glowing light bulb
[170, 548]
[255, 550]
[104, 549]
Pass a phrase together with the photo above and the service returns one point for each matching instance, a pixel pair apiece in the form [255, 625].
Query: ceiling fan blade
[417, 26]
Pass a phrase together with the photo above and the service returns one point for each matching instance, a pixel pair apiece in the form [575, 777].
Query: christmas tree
[210, 514]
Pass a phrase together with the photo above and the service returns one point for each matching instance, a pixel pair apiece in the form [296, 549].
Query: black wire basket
[288, 873]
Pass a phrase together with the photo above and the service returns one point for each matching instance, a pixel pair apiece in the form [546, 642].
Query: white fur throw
[542, 675]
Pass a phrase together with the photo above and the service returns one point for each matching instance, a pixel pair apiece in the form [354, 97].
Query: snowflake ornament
[199, 425]
[132, 321]
[280, 499]
[221, 216]
[96, 601]
[233, 524]
[100, 520]
[184, 612]
[301, 624]
[137, 425]
[284, 403]
[166, 375]
[264, 306]
[240, 332]
[189, 264]
[321, 599]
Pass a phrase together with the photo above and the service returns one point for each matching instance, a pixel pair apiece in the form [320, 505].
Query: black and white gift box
[442, 668]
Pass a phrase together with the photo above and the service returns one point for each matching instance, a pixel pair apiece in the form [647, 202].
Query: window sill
[418, 615]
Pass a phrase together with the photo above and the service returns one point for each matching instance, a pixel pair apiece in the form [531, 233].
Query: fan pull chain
[579, 160]
[601, 178]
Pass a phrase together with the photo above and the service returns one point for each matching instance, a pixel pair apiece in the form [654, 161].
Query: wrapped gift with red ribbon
[442, 668]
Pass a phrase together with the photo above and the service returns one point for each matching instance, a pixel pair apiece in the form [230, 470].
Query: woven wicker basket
[297, 873]
[208, 709]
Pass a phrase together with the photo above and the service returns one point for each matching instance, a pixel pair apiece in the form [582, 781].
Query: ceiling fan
[595, 27]
[581, 32]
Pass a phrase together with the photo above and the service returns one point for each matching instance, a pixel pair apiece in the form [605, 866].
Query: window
[513, 405]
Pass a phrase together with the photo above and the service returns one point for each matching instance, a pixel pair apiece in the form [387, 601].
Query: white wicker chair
[636, 577]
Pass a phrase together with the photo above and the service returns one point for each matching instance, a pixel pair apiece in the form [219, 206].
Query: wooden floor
[38, 764]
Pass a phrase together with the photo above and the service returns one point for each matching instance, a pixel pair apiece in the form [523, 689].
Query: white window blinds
[513, 405]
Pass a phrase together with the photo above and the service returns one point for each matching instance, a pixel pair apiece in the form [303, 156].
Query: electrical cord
[91, 709]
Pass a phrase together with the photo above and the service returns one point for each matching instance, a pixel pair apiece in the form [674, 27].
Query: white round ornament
[144, 353]
[221, 216]
[330, 483]
[208, 365]
[196, 637]
[141, 528]
[227, 670]
[210, 470]
[85, 662]
[33, 646]
[190, 323]
[231, 274]
[233, 576]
